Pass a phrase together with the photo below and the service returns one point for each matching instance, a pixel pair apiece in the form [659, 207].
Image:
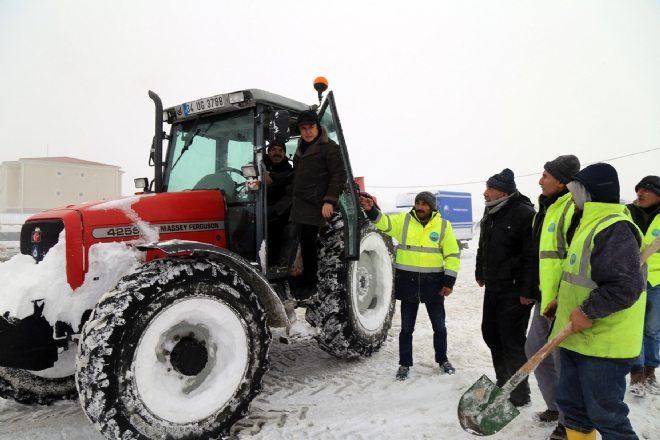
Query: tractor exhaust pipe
[157, 144]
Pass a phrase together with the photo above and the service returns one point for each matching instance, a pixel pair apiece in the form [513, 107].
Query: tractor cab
[219, 143]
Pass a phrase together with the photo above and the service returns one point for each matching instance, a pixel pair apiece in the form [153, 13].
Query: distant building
[37, 183]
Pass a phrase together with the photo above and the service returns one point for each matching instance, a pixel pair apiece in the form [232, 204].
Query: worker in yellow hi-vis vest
[427, 263]
[601, 296]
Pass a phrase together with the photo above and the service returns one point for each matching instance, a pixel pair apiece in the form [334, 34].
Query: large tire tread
[111, 323]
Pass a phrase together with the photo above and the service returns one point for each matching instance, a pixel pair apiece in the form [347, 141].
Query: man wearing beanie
[550, 235]
[645, 212]
[502, 266]
[318, 179]
[601, 297]
[427, 263]
[278, 180]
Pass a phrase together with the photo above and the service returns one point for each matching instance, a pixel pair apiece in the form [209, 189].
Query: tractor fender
[276, 313]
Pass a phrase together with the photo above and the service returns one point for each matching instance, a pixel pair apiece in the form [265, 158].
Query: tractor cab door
[348, 200]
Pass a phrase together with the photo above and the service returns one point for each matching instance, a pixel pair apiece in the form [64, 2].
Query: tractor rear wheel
[178, 350]
[355, 302]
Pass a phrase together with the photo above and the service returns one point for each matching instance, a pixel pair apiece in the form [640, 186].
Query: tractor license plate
[202, 105]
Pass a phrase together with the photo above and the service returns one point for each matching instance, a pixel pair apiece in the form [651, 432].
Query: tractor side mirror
[278, 127]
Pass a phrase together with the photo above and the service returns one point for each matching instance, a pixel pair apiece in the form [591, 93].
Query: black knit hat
[503, 181]
[308, 117]
[563, 168]
[276, 144]
[429, 198]
[602, 182]
[652, 183]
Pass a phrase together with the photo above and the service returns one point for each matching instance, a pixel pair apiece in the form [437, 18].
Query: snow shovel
[484, 409]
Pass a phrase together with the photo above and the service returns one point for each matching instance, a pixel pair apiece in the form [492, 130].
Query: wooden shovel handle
[535, 360]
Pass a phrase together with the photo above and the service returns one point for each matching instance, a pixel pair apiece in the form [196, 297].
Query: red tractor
[168, 335]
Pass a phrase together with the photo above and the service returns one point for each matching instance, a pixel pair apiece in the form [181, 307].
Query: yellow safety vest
[616, 336]
[653, 263]
[422, 248]
[552, 247]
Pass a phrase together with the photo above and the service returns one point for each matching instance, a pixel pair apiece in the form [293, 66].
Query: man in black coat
[502, 266]
[319, 177]
[278, 180]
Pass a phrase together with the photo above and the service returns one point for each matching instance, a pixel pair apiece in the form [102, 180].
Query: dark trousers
[279, 234]
[590, 394]
[307, 236]
[503, 326]
[436, 312]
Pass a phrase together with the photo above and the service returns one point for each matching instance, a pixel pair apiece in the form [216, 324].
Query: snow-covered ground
[309, 394]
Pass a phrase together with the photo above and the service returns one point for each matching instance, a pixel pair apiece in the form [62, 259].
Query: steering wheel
[237, 185]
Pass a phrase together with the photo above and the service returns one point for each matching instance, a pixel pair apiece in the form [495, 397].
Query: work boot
[652, 385]
[402, 373]
[577, 435]
[637, 385]
[447, 368]
[548, 415]
[559, 433]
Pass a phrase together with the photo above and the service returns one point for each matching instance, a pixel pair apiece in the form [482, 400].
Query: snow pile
[24, 281]
[150, 233]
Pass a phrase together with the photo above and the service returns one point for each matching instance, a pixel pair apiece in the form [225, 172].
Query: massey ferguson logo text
[164, 228]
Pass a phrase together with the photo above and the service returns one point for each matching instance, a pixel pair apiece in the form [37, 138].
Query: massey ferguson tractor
[158, 307]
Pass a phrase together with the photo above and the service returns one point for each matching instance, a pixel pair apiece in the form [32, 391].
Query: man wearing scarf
[502, 267]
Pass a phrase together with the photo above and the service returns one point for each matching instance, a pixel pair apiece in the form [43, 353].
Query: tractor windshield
[209, 153]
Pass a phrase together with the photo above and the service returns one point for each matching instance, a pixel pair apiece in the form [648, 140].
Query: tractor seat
[221, 181]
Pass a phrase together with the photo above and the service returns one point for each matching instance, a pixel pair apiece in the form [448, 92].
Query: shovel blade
[484, 410]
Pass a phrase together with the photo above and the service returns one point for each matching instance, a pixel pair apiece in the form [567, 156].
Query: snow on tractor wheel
[178, 350]
[355, 300]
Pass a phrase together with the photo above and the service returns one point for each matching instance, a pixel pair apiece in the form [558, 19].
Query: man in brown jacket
[319, 177]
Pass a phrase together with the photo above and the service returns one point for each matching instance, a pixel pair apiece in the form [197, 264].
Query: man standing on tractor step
[601, 296]
[318, 179]
[427, 263]
[550, 236]
[502, 266]
[645, 212]
[278, 180]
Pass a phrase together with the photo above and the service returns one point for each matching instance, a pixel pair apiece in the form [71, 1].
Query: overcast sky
[429, 93]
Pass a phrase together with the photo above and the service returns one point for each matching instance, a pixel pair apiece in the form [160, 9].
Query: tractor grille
[39, 236]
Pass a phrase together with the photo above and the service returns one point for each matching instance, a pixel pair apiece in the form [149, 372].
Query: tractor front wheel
[178, 351]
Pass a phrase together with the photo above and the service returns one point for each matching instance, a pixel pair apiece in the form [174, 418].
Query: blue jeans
[590, 394]
[650, 356]
[436, 311]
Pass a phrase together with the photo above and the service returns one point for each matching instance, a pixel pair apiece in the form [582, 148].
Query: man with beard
[427, 263]
[278, 180]
[502, 266]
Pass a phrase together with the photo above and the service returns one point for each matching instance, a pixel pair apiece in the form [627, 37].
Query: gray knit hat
[563, 168]
[503, 181]
[429, 198]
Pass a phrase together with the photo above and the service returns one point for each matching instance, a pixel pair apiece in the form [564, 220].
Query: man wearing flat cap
[427, 263]
[502, 266]
[551, 230]
[645, 211]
